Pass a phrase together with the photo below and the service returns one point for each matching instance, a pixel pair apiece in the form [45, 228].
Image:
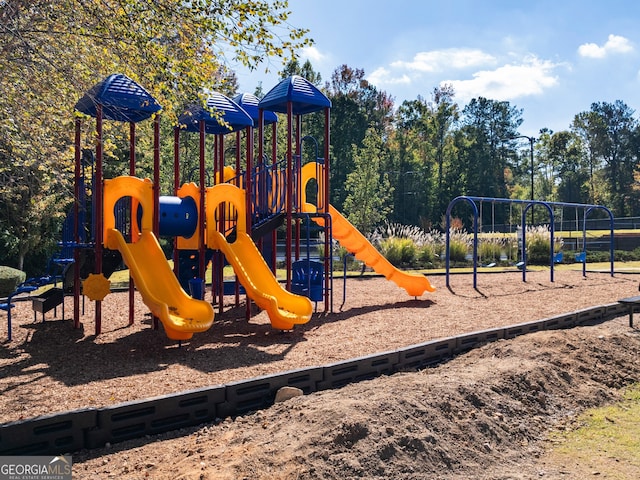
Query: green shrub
[426, 254]
[399, 251]
[538, 252]
[538, 239]
[408, 251]
[490, 248]
[621, 256]
[459, 243]
[389, 249]
[511, 249]
[408, 245]
[342, 253]
[10, 278]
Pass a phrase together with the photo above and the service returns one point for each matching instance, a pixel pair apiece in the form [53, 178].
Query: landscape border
[68, 432]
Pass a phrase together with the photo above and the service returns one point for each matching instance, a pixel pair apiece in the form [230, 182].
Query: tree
[30, 199]
[178, 49]
[411, 163]
[487, 124]
[356, 106]
[409, 177]
[481, 169]
[51, 52]
[567, 175]
[424, 146]
[583, 126]
[443, 120]
[368, 189]
[305, 70]
[608, 130]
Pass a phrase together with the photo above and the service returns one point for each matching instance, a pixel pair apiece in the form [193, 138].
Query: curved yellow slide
[180, 314]
[285, 309]
[355, 242]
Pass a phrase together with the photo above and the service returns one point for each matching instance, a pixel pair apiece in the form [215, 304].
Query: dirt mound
[484, 414]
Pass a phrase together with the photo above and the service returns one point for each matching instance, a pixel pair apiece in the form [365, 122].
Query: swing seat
[558, 257]
[6, 306]
[308, 279]
[581, 257]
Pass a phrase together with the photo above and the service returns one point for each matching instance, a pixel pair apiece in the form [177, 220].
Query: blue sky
[550, 58]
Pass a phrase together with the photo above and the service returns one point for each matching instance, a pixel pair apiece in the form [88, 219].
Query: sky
[552, 59]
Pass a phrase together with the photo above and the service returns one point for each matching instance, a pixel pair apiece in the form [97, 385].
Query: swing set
[526, 205]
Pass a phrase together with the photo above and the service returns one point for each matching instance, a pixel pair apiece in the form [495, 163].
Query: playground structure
[526, 205]
[233, 221]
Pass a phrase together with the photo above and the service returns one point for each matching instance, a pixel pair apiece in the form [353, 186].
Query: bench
[631, 302]
[48, 300]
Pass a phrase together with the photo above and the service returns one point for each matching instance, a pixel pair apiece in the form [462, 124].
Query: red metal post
[248, 181]
[156, 189]
[289, 203]
[219, 159]
[134, 204]
[274, 154]
[298, 181]
[98, 213]
[249, 140]
[132, 148]
[156, 175]
[328, 277]
[76, 227]
[176, 187]
[201, 219]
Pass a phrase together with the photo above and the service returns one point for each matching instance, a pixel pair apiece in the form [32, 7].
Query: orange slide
[355, 242]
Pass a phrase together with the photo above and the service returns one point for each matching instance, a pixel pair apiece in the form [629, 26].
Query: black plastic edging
[149, 417]
[93, 428]
[258, 393]
[50, 434]
[339, 374]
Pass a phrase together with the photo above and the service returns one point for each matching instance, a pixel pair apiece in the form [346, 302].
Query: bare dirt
[484, 414]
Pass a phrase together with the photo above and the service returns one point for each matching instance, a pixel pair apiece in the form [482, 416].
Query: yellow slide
[181, 315]
[355, 242]
[285, 309]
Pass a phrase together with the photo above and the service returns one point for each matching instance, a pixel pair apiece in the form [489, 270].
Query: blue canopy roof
[217, 105]
[304, 96]
[122, 100]
[250, 102]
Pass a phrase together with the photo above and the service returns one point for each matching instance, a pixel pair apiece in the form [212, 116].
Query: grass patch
[607, 440]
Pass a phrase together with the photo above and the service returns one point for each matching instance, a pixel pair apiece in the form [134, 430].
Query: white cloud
[382, 76]
[427, 63]
[614, 44]
[314, 55]
[439, 60]
[472, 73]
[508, 82]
